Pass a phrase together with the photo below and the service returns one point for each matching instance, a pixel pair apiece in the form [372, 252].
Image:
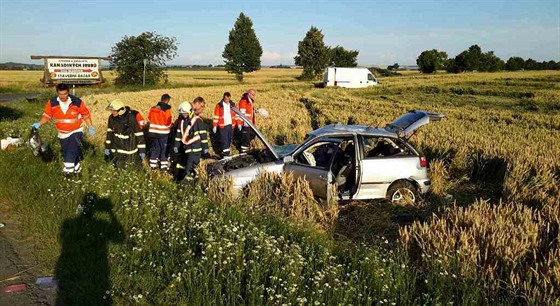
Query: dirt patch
[18, 266]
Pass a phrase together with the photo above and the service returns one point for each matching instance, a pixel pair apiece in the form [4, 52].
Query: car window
[383, 147]
[370, 77]
[318, 155]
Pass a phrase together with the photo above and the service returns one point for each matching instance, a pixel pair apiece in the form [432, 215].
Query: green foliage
[395, 66]
[128, 56]
[469, 60]
[243, 51]
[491, 62]
[431, 60]
[313, 55]
[341, 57]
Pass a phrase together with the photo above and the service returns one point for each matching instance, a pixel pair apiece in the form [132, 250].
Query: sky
[385, 32]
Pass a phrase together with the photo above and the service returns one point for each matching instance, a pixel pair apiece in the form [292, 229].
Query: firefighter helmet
[185, 108]
[116, 105]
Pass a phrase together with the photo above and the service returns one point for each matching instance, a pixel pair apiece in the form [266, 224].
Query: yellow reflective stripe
[121, 136]
[109, 130]
[200, 132]
[197, 150]
[139, 133]
[205, 141]
[177, 139]
[127, 152]
[179, 166]
[141, 146]
[107, 141]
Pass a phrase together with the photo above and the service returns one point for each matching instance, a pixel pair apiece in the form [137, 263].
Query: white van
[348, 77]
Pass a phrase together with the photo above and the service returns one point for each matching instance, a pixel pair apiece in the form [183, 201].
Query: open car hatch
[259, 135]
[407, 124]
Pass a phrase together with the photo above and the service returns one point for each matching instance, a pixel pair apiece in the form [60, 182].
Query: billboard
[60, 69]
[70, 69]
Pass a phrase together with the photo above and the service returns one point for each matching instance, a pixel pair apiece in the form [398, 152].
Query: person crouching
[125, 139]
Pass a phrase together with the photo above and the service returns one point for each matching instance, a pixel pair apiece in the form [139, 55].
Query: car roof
[352, 129]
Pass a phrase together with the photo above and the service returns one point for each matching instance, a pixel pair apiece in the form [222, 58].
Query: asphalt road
[6, 97]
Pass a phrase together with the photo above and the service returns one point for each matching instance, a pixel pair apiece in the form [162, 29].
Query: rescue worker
[68, 112]
[246, 108]
[183, 121]
[224, 123]
[125, 140]
[195, 138]
[138, 117]
[160, 119]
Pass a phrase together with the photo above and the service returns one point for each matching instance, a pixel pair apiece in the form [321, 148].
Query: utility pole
[144, 76]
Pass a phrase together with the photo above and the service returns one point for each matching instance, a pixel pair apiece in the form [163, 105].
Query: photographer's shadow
[83, 268]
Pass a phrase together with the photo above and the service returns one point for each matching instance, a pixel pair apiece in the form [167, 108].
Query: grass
[155, 243]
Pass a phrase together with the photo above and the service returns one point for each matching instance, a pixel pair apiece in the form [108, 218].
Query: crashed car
[355, 161]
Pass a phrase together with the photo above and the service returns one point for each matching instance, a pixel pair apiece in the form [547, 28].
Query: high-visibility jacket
[139, 118]
[160, 120]
[219, 115]
[69, 122]
[194, 135]
[246, 108]
[124, 135]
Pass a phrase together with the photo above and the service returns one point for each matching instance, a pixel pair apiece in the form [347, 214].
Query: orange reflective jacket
[246, 108]
[160, 120]
[69, 122]
[219, 115]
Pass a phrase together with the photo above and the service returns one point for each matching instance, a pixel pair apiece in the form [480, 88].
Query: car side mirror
[288, 159]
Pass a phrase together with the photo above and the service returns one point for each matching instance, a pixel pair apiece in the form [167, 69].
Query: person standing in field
[68, 112]
[194, 138]
[125, 139]
[181, 126]
[246, 108]
[224, 122]
[160, 119]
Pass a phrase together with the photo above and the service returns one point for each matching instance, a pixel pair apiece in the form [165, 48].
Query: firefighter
[68, 113]
[125, 140]
[195, 138]
[158, 132]
[224, 123]
[246, 108]
[183, 121]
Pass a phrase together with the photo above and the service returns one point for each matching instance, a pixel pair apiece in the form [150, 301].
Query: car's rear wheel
[402, 192]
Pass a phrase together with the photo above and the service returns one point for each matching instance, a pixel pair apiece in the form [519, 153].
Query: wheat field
[495, 159]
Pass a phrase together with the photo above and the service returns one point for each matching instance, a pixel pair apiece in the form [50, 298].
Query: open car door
[406, 125]
[313, 163]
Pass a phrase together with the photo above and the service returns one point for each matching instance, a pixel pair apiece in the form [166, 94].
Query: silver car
[359, 162]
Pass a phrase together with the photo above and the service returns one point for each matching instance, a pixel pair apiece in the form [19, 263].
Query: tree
[395, 66]
[531, 64]
[431, 60]
[128, 57]
[515, 63]
[469, 60]
[243, 51]
[340, 57]
[491, 63]
[313, 55]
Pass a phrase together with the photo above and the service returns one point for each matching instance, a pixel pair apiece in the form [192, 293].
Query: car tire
[402, 192]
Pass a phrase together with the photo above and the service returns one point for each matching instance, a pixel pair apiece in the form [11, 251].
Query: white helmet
[185, 108]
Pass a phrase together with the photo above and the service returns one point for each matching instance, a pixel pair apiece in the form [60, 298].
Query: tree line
[473, 59]
[242, 54]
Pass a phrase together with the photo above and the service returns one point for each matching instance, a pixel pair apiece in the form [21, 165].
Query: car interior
[339, 156]
[383, 147]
